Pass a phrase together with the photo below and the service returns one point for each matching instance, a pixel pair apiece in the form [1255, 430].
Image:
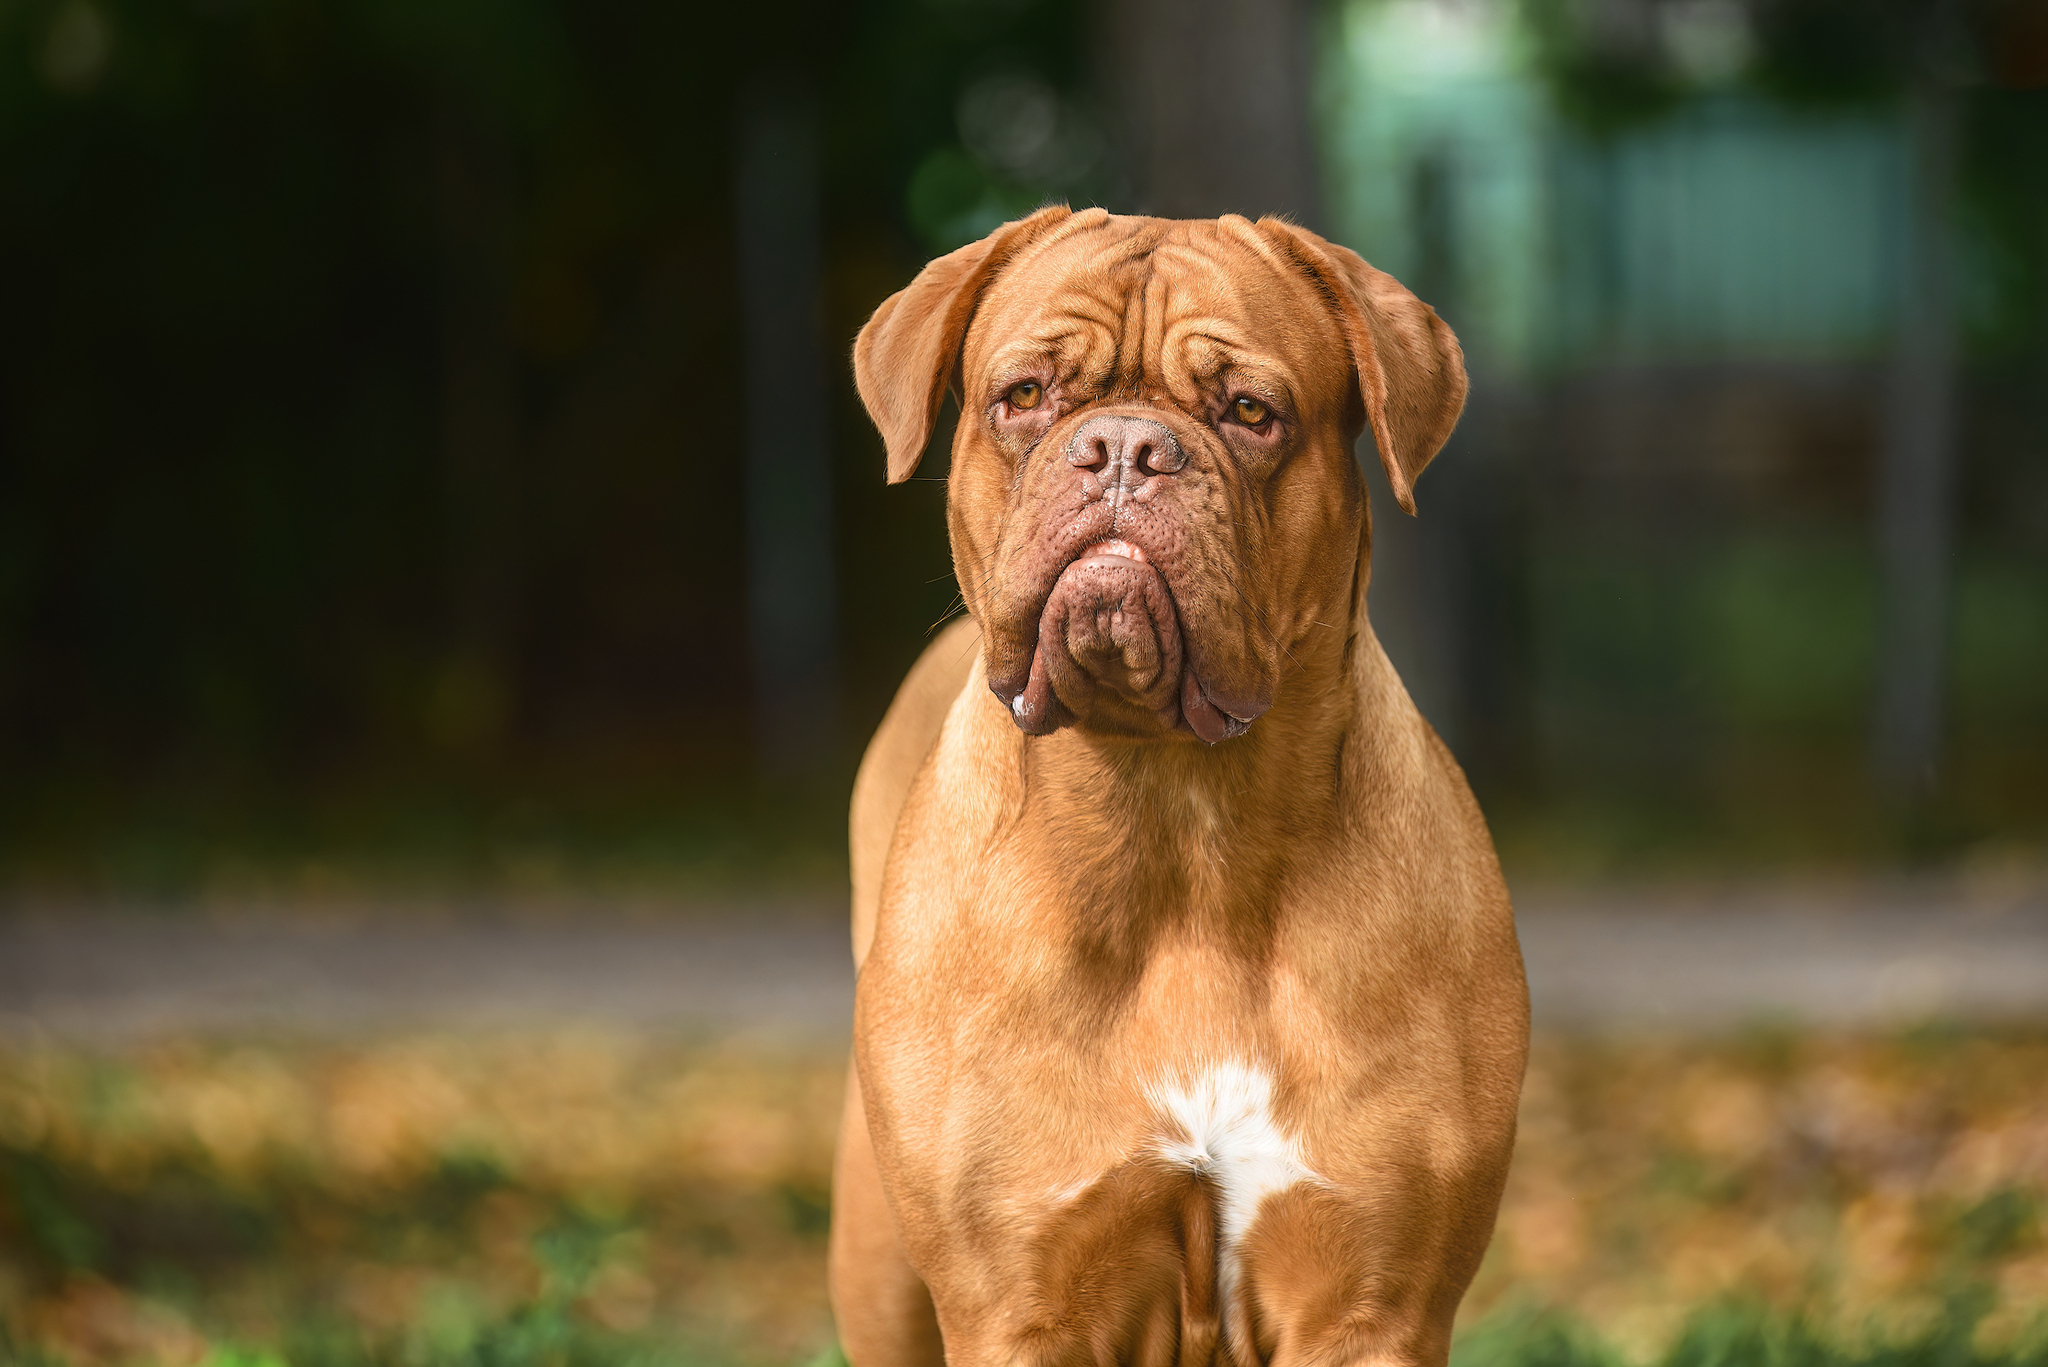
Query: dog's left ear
[904, 357]
[1411, 371]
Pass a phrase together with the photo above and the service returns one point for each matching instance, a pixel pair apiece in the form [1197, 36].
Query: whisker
[948, 615]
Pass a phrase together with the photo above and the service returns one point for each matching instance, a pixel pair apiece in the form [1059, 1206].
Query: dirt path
[769, 969]
[1614, 959]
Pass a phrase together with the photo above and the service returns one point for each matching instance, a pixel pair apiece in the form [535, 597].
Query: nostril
[1088, 455]
[1162, 460]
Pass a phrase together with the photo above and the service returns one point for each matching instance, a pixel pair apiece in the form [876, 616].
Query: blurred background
[446, 581]
[429, 450]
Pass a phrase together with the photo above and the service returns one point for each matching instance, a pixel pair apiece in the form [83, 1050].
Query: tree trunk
[472, 697]
[791, 598]
[1916, 475]
[1214, 96]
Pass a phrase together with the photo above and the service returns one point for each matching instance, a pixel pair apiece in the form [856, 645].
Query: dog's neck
[1147, 836]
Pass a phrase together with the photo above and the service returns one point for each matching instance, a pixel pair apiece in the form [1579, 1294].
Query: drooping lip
[1038, 711]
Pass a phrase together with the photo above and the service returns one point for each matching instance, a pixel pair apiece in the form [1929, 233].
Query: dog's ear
[905, 357]
[1411, 371]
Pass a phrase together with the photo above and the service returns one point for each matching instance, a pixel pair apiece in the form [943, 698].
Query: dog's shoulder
[901, 742]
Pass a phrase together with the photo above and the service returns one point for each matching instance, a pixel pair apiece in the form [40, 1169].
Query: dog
[1190, 1020]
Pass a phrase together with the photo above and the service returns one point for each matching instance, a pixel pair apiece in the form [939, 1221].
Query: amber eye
[1250, 412]
[1026, 395]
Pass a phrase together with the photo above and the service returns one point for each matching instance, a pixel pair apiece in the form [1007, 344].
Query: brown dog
[1191, 1019]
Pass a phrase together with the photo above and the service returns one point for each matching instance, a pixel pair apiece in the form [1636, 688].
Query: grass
[562, 1199]
[596, 1200]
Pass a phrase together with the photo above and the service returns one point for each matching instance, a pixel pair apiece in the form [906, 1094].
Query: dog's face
[1153, 498]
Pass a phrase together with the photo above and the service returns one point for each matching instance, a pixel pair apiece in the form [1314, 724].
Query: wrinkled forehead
[1144, 303]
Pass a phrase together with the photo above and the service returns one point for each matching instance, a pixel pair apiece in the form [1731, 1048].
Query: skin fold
[1191, 1020]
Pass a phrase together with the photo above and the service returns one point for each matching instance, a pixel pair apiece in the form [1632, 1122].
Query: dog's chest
[1118, 1188]
[1042, 1103]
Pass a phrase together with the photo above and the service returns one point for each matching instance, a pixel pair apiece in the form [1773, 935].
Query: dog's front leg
[883, 1309]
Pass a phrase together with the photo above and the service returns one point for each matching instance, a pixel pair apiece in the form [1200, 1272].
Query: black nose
[1123, 448]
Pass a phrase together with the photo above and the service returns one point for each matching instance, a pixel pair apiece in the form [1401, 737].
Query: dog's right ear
[905, 356]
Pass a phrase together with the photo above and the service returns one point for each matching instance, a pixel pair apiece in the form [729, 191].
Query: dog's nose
[1124, 448]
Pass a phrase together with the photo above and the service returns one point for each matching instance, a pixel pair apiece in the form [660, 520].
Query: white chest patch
[1221, 1124]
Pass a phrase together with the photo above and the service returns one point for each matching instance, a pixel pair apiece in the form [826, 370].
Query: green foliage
[544, 1335]
[1840, 51]
[1613, 67]
[955, 199]
[1743, 1334]
[2005, 177]
[44, 1209]
[1517, 1338]
[1789, 632]
[1602, 83]
[2001, 650]
[2006, 1220]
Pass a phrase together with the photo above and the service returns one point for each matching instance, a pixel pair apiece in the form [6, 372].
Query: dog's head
[1153, 497]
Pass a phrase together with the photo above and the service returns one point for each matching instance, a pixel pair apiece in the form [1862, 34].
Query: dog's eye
[1250, 412]
[1026, 395]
